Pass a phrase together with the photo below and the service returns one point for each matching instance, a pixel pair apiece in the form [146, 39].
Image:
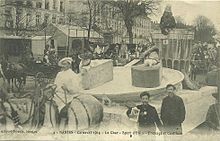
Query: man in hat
[213, 114]
[67, 82]
[85, 61]
[172, 111]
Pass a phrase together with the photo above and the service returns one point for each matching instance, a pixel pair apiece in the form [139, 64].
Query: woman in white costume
[68, 83]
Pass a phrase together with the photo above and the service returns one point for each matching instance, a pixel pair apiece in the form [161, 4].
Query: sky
[189, 9]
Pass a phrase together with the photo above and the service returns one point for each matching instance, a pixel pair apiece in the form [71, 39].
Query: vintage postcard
[110, 70]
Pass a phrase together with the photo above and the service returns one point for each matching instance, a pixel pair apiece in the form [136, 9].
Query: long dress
[72, 82]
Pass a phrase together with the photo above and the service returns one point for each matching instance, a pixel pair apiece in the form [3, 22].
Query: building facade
[20, 17]
[109, 22]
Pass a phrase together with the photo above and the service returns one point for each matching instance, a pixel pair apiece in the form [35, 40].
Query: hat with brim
[85, 56]
[63, 61]
[215, 95]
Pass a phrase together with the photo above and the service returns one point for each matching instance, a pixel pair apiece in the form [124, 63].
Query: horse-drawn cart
[43, 70]
[16, 73]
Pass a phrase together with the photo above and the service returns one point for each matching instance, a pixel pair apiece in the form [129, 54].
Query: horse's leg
[12, 84]
[24, 79]
[17, 83]
[9, 86]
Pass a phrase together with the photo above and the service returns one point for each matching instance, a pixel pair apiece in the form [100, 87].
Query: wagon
[42, 70]
[38, 71]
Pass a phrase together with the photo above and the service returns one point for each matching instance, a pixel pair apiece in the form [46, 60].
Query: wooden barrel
[85, 111]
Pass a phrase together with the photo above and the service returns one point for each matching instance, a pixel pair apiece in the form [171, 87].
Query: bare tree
[86, 15]
[130, 9]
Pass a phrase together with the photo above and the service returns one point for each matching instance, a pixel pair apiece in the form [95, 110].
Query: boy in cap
[148, 118]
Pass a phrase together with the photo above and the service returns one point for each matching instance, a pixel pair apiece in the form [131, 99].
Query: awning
[40, 37]
[76, 31]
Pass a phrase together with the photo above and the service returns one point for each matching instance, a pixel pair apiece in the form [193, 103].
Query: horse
[14, 74]
[84, 112]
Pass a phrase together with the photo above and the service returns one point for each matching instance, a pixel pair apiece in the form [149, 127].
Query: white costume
[1, 71]
[69, 80]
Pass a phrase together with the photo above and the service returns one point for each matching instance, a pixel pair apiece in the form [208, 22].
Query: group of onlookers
[172, 114]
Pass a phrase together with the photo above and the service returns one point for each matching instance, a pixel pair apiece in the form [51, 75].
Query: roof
[40, 37]
[13, 37]
[76, 31]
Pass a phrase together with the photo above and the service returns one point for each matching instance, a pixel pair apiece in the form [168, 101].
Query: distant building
[109, 22]
[69, 39]
[22, 17]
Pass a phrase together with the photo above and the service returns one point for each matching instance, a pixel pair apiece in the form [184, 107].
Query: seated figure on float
[148, 74]
[70, 108]
[85, 61]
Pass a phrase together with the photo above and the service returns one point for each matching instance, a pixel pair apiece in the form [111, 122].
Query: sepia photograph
[110, 70]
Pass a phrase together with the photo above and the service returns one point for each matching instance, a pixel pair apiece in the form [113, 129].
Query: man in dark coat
[172, 111]
[148, 117]
[213, 115]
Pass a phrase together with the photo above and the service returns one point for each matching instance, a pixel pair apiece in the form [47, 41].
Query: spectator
[38, 60]
[147, 115]
[172, 111]
[123, 50]
[98, 52]
[213, 115]
[75, 63]
[46, 59]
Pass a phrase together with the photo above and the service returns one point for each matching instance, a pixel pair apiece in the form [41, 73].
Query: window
[60, 21]
[46, 17]
[54, 4]
[9, 22]
[38, 5]
[37, 20]
[8, 11]
[165, 42]
[47, 4]
[61, 7]
[28, 20]
[54, 19]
